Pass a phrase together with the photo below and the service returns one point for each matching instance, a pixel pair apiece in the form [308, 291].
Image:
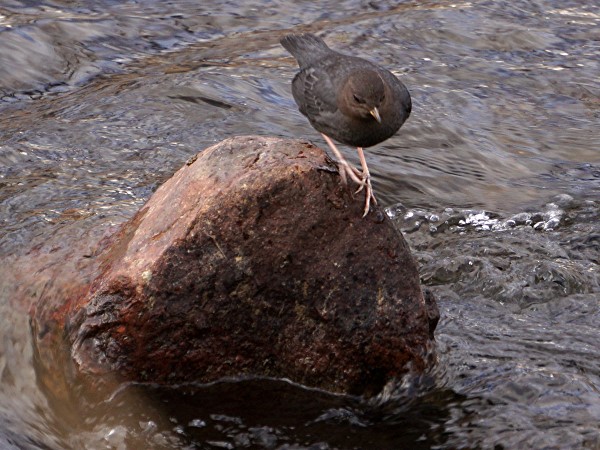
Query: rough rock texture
[254, 259]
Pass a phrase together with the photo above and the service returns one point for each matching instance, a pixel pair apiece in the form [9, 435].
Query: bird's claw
[346, 170]
[368, 193]
[362, 178]
[364, 182]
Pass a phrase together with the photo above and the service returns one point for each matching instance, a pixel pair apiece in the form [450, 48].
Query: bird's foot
[346, 170]
[363, 180]
[369, 195]
[344, 167]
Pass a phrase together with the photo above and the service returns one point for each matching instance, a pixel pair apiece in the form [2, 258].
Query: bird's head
[362, 95]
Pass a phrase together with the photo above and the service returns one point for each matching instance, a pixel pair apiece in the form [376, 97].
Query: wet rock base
[254, 260]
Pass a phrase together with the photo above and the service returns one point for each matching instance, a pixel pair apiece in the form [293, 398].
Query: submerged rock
[253, 259]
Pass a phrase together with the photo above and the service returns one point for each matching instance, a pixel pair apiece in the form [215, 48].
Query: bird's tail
[306, 48]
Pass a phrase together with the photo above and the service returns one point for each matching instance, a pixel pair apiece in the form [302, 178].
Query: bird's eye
[358, 99]
[382, 99]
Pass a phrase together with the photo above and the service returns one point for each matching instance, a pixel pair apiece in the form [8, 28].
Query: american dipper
[347, 98]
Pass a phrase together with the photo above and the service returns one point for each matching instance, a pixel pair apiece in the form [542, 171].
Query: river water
[494, 179]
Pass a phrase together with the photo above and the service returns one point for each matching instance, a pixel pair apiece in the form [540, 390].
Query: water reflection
[261, 413]
[102, 101]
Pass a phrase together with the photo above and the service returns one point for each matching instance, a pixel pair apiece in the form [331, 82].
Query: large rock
[254, 259]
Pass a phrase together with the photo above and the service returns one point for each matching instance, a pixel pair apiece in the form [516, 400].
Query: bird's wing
[314, 92]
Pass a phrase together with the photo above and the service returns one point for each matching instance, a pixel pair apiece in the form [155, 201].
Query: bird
[347, 99]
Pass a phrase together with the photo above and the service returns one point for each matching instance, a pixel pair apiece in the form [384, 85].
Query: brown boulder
[253, 259]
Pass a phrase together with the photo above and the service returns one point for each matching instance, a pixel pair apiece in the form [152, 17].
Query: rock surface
[253, 259]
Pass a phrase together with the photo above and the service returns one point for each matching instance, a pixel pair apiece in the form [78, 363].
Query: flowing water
[495, 180]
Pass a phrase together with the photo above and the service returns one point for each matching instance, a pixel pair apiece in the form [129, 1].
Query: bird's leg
[344, 167]
[366, 181]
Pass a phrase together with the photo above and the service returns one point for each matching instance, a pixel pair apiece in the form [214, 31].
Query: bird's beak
[375, 113]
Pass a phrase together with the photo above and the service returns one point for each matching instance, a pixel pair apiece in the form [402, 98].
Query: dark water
[495, 180]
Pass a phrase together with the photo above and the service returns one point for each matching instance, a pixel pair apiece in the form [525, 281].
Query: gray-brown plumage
[348, 99]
